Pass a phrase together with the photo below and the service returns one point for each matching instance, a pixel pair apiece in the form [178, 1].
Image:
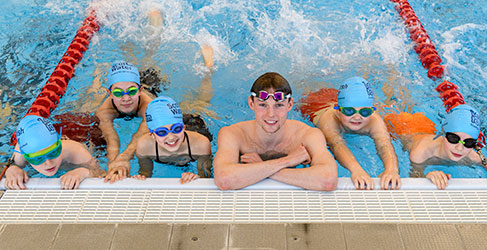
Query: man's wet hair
[271, 80]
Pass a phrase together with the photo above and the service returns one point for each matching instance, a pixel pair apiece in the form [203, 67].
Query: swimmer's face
[269, 114]
[50, 166]
[356, 121]
[126, 103]
[458, 151]
[172, 141]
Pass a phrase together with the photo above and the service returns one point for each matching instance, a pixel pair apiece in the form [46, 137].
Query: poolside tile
[315, 236]
[28, 236]
[141, 236]
[372, 236]
[430, 236]
[474, 236]
[199, 236]
[84, 236]
[260, 236]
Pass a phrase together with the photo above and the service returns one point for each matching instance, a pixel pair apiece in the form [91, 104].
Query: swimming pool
[312, 44]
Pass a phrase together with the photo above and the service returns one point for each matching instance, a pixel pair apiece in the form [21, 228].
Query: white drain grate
[265, 206]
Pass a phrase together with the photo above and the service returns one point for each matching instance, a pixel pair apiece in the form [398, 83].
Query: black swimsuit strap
[157, 152]
[123, 115]
[189, 149]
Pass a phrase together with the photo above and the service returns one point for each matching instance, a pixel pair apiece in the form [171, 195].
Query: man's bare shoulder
[237, 129]
[300, 131]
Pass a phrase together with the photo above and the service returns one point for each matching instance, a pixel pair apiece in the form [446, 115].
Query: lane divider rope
[56, 84]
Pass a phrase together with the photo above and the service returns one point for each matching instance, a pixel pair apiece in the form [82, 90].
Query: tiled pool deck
[333, 236]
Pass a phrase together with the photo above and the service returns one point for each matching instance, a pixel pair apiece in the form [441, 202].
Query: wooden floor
[244, 236]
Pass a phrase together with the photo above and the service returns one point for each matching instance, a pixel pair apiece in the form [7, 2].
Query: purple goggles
[277, 96]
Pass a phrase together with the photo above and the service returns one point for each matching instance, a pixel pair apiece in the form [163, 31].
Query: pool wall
[344, 183]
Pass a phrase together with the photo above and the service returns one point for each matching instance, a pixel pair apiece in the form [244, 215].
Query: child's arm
[15, 176]
[146, 167]
[204, 164]
[344, 155]
[87, 166]
[201, 147]
[143, 156]
[390, 176]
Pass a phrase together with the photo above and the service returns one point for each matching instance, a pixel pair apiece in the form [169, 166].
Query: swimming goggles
[130, 91]
[176, 128]
[277, 96]
[454, 139]
[48, 153]
[349, 111]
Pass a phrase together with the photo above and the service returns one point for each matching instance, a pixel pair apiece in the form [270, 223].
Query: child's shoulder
[199, 143]
[145, 144]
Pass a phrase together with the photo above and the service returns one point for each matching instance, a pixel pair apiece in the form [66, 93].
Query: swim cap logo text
[368, 89]
[475, 119]
[48, 125]
[174, 108]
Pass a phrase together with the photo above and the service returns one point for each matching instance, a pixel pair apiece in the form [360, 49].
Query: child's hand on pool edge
[117, 170]
[15, 178]
[188, 177]
[73, 178]
[439, 178]
[390, 179]
[139, 177]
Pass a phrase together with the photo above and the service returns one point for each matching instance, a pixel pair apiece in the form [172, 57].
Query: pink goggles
[277, 96]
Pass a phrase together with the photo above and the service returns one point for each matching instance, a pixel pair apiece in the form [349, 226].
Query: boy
[354, 113]
[41, 146]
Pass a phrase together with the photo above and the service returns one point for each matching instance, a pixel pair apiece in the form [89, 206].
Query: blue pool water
[314, 44]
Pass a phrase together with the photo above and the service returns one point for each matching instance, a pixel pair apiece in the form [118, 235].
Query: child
[455, 147]
[41, 146]
[125, 100]
[169, 142]
[353, 113]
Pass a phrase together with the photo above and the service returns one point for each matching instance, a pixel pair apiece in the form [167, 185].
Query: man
[353, 113]
[125, 100]
[270, 146]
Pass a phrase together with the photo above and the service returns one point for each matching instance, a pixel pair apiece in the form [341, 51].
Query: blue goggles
[176, 128]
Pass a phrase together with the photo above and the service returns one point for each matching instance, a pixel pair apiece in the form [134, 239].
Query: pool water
[313, 44]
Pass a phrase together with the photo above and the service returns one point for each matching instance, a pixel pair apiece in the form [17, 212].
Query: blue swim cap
[355, 92]
[123, 72]
[463, 118]
[162, 111]
[35, 133]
